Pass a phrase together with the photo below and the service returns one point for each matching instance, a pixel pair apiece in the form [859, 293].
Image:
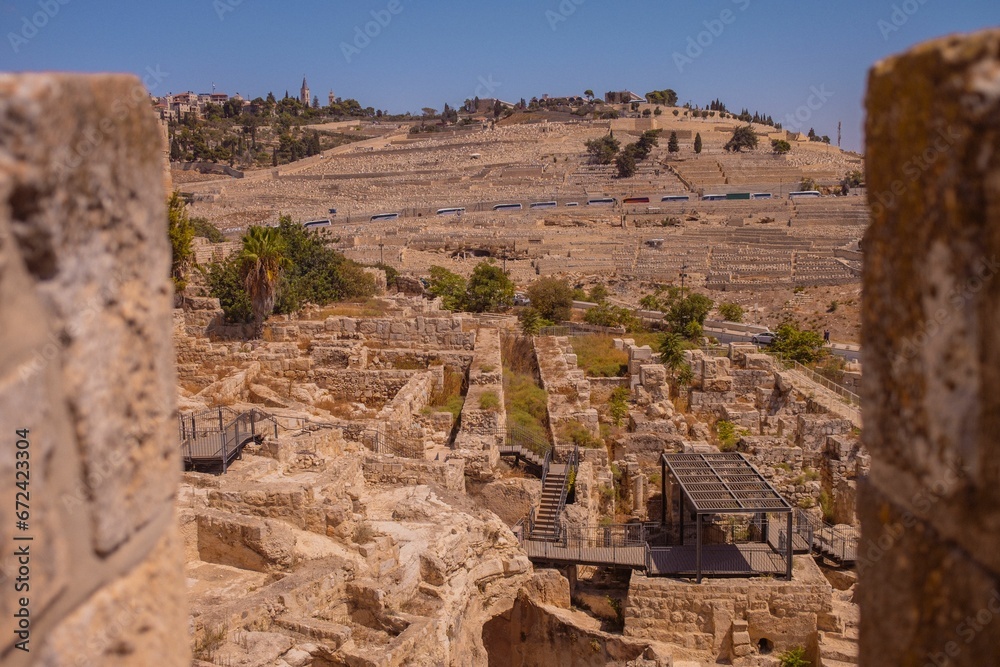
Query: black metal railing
[570, 478]
[214, 438]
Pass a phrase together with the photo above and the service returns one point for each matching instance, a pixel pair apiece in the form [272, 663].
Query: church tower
[304, 96]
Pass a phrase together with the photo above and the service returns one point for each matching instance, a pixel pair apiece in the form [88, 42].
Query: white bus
[805, 194]
[544, 204]
[317, 224]
[602, 201]
[507, 207]
[676, 198]
[451, 211]
[384, 216]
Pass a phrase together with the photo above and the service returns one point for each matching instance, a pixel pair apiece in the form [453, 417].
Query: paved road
[849, 352]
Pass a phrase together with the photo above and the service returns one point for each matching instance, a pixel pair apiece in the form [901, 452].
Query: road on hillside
[724, 337]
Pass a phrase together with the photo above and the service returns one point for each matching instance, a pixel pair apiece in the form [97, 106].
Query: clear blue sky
[766, 56]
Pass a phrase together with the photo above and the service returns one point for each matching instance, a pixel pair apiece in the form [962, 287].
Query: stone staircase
[545, 526]
[840, 649]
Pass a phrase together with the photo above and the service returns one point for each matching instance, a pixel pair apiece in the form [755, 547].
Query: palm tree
[262, 263]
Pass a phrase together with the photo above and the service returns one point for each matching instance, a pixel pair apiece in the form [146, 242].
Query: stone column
[87, 374]
[930, 511]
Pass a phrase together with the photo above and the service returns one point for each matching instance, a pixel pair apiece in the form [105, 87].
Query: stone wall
[368, 387]
[86, 369]
[391, 471]
[702, 617]
[483, 415]
[930, 512]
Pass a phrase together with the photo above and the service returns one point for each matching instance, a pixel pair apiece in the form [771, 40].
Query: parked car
[765, 338]
[521, 299]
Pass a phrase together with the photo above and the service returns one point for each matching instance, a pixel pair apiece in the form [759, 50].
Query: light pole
[683, 276]
[380, 259]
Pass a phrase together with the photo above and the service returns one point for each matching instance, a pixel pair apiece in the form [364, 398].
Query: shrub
[597, 356]
[731, 312]
[363, 533]
[579, 435]
[618, 405]
[727, 435]
[794, 657]
[826, 505]
[489, 401]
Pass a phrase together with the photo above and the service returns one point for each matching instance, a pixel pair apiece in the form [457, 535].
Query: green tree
[531, 321]
[449, 286]
[693, 308]
[667, 98]
[697, 143]
[181, 233]
[263, 262]
[673, 145]
[644, 146]
[489, 290]
[226, 284]
[552, 298]
[598, 293]
[780, 146]
[603, 150]
[731, 312]
[626, 162]
[607, 315]
[589, 94]
[743, 137]
[672, 348]
[797, 344]
[205, 229]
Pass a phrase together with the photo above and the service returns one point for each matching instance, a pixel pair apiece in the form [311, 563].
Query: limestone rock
[87, 364]
[931, 350]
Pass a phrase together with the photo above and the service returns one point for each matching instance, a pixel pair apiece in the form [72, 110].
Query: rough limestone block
[86, 363]
[931, 351]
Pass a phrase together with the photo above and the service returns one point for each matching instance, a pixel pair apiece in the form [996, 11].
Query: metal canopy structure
[722, 483]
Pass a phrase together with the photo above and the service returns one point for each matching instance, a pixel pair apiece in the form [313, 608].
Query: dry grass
[369, 308]
[597, 356]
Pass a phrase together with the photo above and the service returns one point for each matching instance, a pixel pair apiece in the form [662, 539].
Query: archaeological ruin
[392, 483]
